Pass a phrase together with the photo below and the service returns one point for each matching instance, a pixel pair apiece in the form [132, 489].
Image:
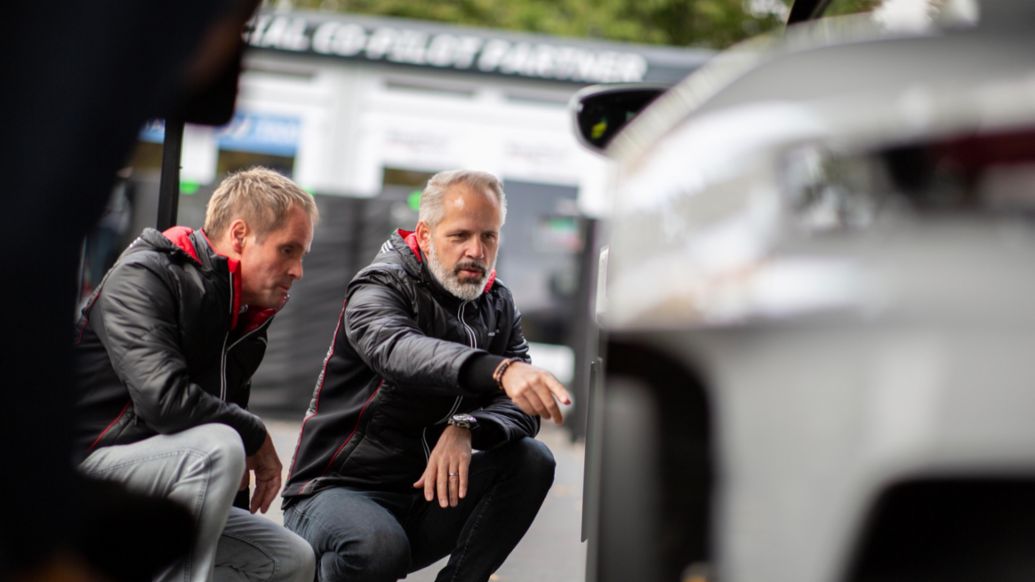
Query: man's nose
[476, 249]
[296, 270]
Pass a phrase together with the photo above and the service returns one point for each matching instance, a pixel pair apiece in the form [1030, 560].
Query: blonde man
[165, 352]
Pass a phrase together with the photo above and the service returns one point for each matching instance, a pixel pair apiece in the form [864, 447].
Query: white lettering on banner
[379, 43]
[492, 54]
[561, 62]
[421, 48]
[447, 50]
[515, 59]
[409, 48]
[282, 33]
[335, 38]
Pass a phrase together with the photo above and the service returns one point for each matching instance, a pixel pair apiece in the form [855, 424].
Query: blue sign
[153, 131]
[248, 132]
[261, 133]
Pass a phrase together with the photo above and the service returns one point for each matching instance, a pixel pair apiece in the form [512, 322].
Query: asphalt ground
[551, 551]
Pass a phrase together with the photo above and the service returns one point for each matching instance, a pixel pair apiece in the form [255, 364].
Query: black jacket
[162, 345]
[393, 375]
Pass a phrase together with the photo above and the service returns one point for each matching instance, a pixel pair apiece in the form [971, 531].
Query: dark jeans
[378, 536]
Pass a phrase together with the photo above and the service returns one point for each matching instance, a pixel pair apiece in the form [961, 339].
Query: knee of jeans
[379, 555]
[223, 446]
[535, 461]
[300, 562]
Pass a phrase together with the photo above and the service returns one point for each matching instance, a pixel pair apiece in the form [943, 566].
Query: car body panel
[850, 329]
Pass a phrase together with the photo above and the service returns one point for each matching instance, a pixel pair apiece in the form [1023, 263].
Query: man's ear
[238, 232]
[423, 236]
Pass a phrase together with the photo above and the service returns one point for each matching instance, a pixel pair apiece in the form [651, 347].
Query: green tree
[703, 23]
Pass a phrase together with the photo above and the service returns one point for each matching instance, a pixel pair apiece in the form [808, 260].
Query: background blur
[360, 109]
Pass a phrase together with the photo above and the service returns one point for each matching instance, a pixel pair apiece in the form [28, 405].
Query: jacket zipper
[470, 332]
[471, 341]
[222, 370]
[226, 349]
[222, 359]
[245, 336]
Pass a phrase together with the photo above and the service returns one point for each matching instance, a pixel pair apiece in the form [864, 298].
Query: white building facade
[350, 105]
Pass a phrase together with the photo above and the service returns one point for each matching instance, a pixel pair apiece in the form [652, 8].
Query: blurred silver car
[819, 309]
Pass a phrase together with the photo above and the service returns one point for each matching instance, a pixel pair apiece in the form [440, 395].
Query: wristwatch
[463, 421]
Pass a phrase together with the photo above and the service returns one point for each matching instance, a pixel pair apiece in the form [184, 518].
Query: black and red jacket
[163, 345]
[400, 363]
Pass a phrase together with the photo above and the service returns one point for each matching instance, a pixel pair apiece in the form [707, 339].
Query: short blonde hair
[432, 208]
[261, 197]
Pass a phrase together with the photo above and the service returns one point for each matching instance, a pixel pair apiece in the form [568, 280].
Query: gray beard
[451, 281]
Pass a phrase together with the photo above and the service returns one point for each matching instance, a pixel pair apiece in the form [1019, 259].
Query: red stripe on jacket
[354, 429]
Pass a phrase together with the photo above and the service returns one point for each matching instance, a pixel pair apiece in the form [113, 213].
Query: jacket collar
[196, 245]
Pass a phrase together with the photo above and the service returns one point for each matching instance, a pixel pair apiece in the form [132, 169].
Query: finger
[463, 470]
[274, 489]
[524, 405]
[245, 481]
[454, 486]
[530, 403]
[266, 488]
[270, 496]
[259, 497]
[256, 501]
[443, 486]
[550, 403]
[430, 474]
[420, 482]
[558, 389]
[552, 392]
[535, 402]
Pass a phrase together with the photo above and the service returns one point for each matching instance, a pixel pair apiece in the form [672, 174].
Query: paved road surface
[551, 550]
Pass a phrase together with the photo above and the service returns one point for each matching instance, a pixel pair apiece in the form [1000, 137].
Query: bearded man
[419, 439]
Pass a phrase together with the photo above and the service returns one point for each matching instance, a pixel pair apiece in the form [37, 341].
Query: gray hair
[432, 208]
[259, 195]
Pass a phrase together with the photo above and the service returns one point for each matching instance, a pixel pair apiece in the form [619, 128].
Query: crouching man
[166, 348]
[419, 440]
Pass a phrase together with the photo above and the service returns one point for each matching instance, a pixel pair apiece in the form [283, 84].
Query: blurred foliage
[839, 7]
[704, 23]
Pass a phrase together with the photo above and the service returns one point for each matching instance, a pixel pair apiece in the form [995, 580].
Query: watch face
[463, 420]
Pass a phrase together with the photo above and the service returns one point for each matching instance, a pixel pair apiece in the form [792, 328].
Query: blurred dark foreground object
[81, 79]
[129, 537]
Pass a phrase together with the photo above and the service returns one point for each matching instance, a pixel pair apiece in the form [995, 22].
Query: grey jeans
[201, 468]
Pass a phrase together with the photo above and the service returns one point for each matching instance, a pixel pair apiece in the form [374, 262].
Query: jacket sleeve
[500, 420]
[381, 327]
[135, 320]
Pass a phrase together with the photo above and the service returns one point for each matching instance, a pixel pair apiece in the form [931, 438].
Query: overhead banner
[421, 44]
